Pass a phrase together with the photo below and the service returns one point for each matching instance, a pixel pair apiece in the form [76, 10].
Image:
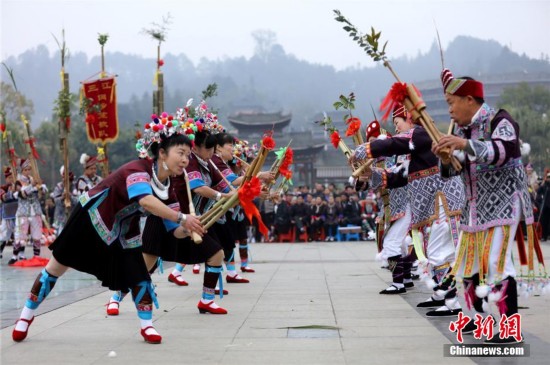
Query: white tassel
[83, 158]
[545, 289]
[482, 291]
[459, 155]
[379, 257]
[408, 240]
[61, 170]
[411, 145]
[494, 297]
[430, 283]
[485, 307]
[382, 137]
[525, 149]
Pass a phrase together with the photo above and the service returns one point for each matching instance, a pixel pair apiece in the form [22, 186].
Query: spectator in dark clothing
[300, 216]
[318, 216]
[352, 211]
[332, 214]
[543, 204]
[282, 216]
[319, 191]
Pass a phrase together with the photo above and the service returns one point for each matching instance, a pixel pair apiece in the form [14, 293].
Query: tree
[14, 103]
[530, 107]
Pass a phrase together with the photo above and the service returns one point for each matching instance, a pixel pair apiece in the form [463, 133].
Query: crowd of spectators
[316, 213]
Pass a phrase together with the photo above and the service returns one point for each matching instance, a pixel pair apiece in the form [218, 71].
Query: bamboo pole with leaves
[412, 101]
[63, 111]
[158, 33]
[102, 153]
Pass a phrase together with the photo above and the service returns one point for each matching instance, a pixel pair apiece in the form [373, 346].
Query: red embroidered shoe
[247, 269]
[217, 292]
[196, 269]
[112, 308]
[210, 307]
[177, 279]
[153, 338]
[236, 279]
[19, 336]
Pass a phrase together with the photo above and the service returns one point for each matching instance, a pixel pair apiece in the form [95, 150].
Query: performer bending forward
[102, 235]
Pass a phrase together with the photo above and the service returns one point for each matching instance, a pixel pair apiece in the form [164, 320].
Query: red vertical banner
[101, 116]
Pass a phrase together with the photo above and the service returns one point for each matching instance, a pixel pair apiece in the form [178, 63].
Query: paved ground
[333, 286]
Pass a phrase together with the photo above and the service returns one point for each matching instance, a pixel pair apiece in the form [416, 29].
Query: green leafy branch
[102, 38]
[210, 91]
[88, 107]
[63, 104]
[158, 31]
[368, 42]
[346, 103]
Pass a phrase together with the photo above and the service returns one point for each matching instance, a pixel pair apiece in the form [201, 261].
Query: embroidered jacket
[58, 197]
[84, 183]
[115, 210]
[493, 173]
[27, 195]
[9, 202]
[424, 181]
[201, 174]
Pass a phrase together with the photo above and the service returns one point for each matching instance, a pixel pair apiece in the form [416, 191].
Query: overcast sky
[222, 28]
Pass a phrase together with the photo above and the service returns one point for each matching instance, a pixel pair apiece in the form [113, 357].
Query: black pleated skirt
[158, 242]
[81, 248]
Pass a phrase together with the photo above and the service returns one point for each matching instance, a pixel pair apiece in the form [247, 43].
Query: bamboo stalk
[359, 171]
[245, 164]
[194, 235]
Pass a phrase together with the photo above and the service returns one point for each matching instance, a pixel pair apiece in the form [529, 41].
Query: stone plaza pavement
[308, 303]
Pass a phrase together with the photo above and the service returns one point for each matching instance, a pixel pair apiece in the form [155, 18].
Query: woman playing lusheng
[102, 234]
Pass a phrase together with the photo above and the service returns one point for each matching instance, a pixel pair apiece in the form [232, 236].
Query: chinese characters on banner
[101, 117]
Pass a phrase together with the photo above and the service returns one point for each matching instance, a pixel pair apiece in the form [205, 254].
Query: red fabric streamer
[268, 143]
[36, 261]
[2, 127]
[335, 139]
[250, 190]
[354, 124]
[35, 154]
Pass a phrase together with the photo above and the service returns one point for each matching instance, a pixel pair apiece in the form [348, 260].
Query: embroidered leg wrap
[396, 266]
[3, 245]
[42, 286]
[36, 247]
[230, 262]
[407, 266]
[144, 298]
[212, 275]
[243, 253]
[508, 301]
[18, 247]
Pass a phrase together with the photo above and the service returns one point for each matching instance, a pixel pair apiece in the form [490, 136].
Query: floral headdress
[165, 125]
[197, 119]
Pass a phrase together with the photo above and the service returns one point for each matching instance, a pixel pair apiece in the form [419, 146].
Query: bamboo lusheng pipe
[224, 204]
[194, 235]
[416, 106]
[231, 187]
[214, 210]
[359, 171]
[245, 164]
